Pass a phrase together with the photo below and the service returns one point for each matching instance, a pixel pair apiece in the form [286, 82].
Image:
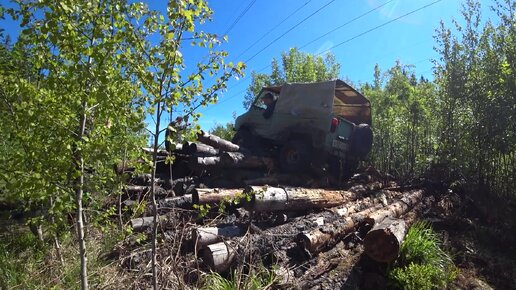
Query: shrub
[422, 263]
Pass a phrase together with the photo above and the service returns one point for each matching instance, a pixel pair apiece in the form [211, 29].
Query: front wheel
[295, 156]
[243, 138]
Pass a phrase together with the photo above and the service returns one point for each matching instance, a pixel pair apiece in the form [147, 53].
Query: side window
[258, 102]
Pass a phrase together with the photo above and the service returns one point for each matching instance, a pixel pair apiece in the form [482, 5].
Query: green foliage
[446, 127]
[296, 66]
[225, 132]
[422, 263]
[403, 122]
[238, 199]
[66, 65]
[475, 75]
[256, 279]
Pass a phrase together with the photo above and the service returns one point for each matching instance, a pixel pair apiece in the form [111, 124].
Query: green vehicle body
[324, 115]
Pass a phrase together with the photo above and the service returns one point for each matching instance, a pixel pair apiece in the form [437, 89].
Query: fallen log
[324, 237]
[295, 199]
[184, 201]
[141, 223]
[214, 196]
[217, 142]
[219, 257]
[241, 160]
[382, 243]
[183, 186]
[192, 148]
[207, 236]
[196, 162]
[398, 208]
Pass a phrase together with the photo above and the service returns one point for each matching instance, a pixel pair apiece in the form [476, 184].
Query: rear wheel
[342, 168]
[295, 156]
[362, 140]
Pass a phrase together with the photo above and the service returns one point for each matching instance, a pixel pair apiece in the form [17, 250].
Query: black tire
[243, 138]
[295, 156]
[362, 140]
[342, 169]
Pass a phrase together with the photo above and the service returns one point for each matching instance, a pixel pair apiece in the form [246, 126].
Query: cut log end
[383, 242]
[218, 257]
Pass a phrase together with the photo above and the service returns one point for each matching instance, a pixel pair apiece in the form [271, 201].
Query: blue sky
[409, 39]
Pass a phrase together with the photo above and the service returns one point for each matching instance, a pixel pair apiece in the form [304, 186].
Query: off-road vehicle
[313, 125]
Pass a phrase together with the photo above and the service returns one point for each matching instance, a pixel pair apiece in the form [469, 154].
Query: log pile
[262, 214]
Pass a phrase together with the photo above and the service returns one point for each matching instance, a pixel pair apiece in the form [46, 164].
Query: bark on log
[183, 186]
[141, 223]
[295, 199]
[199, 148]
[217, 142]
[213, 196]
[398, 208]
[219, 256]
[319, 239]
[241, 160]
[207, 236]
[382, 243]
[196, 162]
[184, 201]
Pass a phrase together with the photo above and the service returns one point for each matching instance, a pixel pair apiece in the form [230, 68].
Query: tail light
[334, 123]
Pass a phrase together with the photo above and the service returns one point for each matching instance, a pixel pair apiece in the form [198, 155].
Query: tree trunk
[79, 192]
[207, 236]
[295, 199]
[382, 243]
[153, 195]
[217, 142]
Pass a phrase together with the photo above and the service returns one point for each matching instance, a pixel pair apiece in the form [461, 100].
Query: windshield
[258, 102]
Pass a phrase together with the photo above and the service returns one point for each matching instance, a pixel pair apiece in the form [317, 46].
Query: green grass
[27, 263]
[20, 253]
[422, 264]
[257, 279]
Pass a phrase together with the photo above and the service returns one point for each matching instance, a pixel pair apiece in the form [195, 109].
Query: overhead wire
[239, 17]
[273, 28]
[290, 29]
[321, 36]
[345, 41]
